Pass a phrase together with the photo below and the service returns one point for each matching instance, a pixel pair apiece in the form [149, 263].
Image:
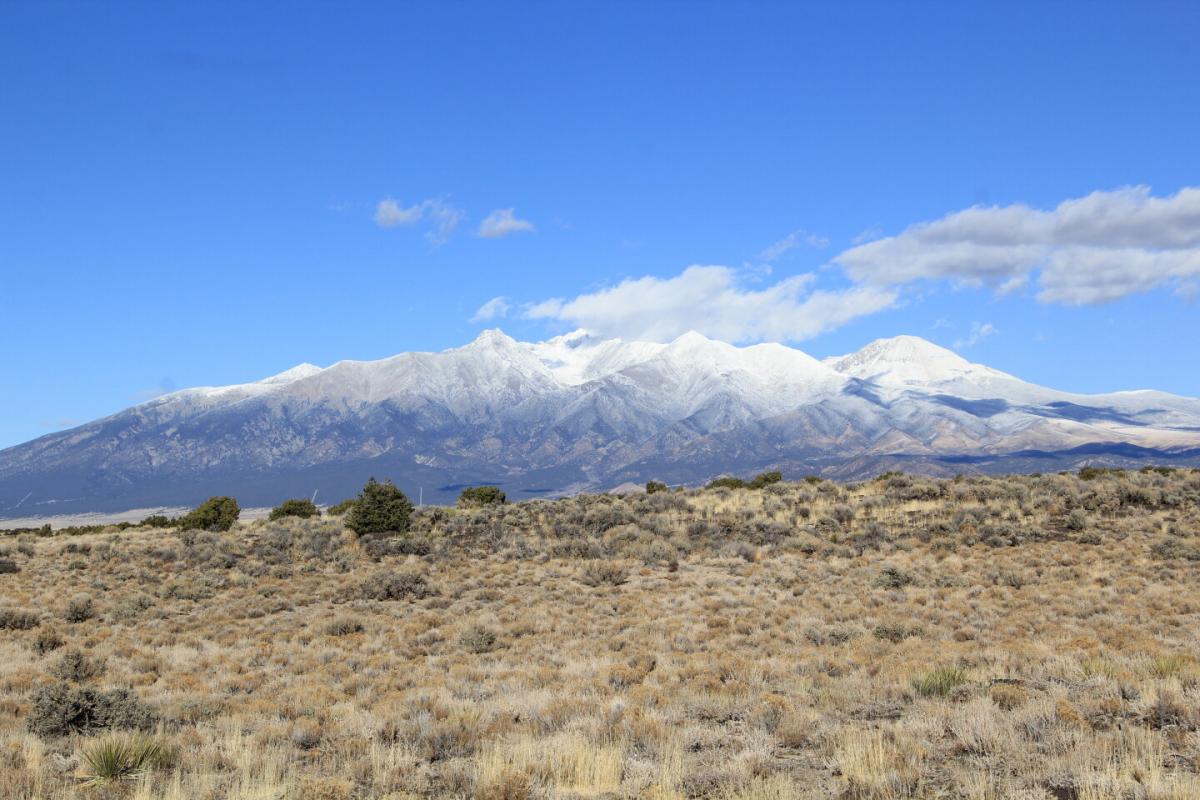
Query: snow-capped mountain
[579, 412]
[910, 362]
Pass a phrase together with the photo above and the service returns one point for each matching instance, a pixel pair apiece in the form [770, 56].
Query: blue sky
[200, 194]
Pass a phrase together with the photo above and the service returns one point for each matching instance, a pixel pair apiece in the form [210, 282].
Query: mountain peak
[492, 337]
[906, 360]
[907, 342]
[691, 336]
[696, 342]
[907, 348]
[296, 373]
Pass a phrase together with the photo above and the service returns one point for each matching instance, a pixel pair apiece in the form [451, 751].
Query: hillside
[1020, 637]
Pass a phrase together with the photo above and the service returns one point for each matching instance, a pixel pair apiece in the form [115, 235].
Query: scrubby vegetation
[295, 508]
[342, 508]
[476, 496]
[1033, 637]
[215, 514]
[760, 481]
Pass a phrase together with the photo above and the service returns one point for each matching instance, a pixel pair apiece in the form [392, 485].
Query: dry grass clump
[1032, 637]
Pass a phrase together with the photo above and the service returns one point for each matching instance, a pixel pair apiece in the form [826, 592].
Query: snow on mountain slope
[911, 365]
[579, 357]
[239, 391]
[579, 411]
[693, 372]
[496, 378]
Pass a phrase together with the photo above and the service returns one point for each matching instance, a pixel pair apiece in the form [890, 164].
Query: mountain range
[579, 412]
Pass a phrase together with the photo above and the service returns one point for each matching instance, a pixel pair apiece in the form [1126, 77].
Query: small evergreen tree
[478, 496]
[295, 508]
[380, 508]
[726, 483]
[653, 487]
[214, 514]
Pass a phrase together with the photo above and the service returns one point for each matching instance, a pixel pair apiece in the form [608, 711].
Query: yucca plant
[121, 758]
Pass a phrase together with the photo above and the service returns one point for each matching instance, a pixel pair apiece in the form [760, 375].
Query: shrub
[1168, 712]
[380, 508]
[893, 578]
[1076, 521]
[79, 609]
[295, 508]
[654, 487]
[121, 758]
[8, 566]
[76, 667]
[379, 547]
[390, 585]
[214, 514]
[843, 513]
[764, 479]
[478, 639]
[829, 635]
[1091, 473]
[1165, 549]
[479, 496]
[939, 682]
[892, 632]
[17, 619]
[47, 641]
[158, 521]
[341, 508]
[131, 607]
[872, 536]
[745, 551]
[726, 483]
[598, 573]
[61, 709]
[344, 626]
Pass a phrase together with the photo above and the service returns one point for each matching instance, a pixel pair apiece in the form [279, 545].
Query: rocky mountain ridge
[578, 412]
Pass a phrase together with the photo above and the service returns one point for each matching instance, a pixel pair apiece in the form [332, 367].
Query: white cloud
[791, 242]
[496, 307]
[502, 222]
[1092, 249]
[444, 218]
[441, 217]
[389, 214]
[707, 299]
[979, 330]
[868, 235]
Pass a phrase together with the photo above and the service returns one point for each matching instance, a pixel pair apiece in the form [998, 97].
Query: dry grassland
[1024, 637]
